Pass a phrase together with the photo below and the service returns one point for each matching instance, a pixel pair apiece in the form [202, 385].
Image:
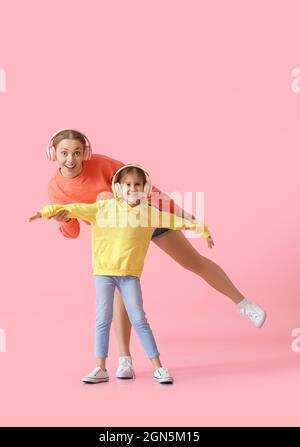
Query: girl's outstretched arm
[83, 211]
[161, 219]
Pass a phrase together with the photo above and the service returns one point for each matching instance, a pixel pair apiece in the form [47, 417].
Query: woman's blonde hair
[69, 134]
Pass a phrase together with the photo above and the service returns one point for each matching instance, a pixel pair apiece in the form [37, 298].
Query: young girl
[121, 233]
[81, 177]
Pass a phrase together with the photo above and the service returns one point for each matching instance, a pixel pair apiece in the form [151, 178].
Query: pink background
[200, 94]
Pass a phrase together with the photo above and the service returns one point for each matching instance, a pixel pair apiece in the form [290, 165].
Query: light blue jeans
[130, 289]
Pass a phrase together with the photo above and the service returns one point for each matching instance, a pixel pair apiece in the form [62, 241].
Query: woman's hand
[36, 216]
[104, 195]
[210, 242]
[61, 216]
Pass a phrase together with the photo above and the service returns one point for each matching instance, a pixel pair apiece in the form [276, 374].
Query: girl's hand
[210, 242]
[61, 216]
[36, 216]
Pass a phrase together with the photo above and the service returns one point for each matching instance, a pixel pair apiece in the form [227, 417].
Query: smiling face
[69, 154]
[132, 187]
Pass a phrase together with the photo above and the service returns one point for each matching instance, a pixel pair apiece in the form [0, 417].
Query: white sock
[126, 357]
[242, 303]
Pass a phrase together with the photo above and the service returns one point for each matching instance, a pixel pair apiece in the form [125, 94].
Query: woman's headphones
[117, 188]
[51, 152]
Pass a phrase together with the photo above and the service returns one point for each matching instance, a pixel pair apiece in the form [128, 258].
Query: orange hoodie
[95, 177]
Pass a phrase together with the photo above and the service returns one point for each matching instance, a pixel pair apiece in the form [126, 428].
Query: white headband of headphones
[50, 150]
[147, 187]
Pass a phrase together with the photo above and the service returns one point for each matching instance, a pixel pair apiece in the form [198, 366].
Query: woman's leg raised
[176, 245]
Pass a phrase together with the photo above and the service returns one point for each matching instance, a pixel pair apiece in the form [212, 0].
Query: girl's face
[133, 188]
[69, 154]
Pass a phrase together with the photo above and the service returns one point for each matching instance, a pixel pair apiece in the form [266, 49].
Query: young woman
[83, 177]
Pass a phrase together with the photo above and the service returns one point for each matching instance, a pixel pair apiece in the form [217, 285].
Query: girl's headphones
[117, 188]
[51, 152]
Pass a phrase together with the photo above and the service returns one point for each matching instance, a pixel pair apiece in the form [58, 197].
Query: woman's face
[132, 188]
[69, 154]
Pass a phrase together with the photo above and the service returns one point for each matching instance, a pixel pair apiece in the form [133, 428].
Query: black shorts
[159, 231]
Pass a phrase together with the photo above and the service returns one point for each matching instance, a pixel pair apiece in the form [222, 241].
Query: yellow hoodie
[121, 234]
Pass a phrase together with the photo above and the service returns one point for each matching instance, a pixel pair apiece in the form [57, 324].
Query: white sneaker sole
[125, 377]
[129, 374]
[262, 321]
[165, 380]
[91, 380]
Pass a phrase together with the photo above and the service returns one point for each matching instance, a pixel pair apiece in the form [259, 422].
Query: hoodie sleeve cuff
[45, 212]
[202, 229]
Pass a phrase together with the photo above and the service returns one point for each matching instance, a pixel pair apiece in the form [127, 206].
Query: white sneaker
[96, 376]
[125, 370]
[253, 311]
[162, 375]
